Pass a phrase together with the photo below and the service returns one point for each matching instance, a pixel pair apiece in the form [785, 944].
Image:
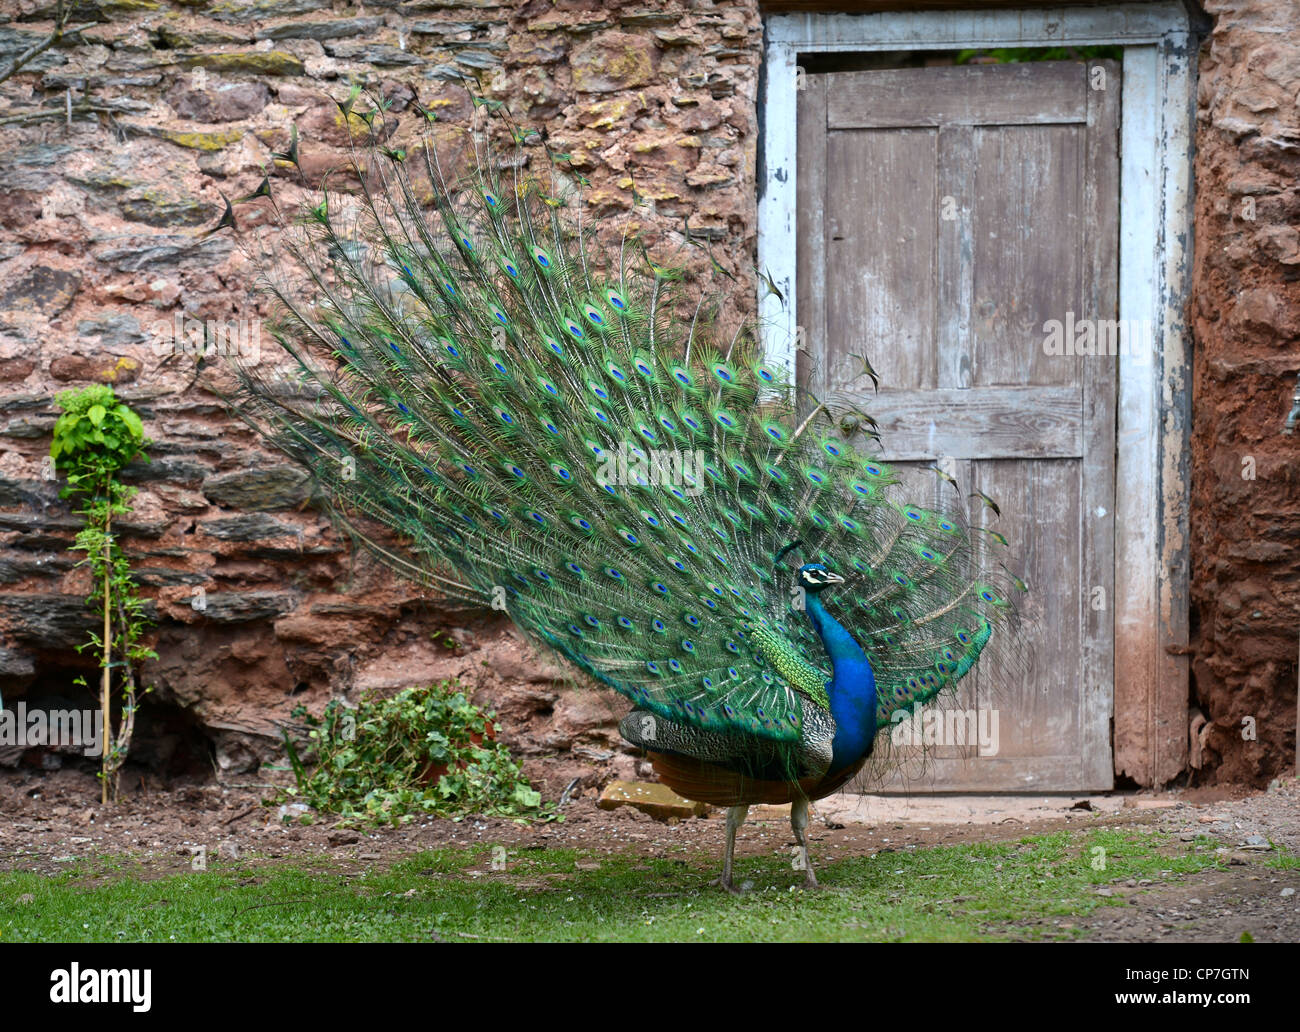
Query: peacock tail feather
[584, 437]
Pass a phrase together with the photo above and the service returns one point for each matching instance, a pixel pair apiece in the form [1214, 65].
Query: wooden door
[947, 216]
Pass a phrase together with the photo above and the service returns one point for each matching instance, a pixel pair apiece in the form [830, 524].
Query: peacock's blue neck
[852, 687]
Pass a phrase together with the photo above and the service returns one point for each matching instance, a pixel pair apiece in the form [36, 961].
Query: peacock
[512, 402]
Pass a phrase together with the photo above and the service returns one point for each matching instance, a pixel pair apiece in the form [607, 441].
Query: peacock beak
[832, 578]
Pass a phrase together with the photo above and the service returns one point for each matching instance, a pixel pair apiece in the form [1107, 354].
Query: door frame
[1157, 109]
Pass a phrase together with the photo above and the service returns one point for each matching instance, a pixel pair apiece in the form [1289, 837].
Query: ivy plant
[425, 751]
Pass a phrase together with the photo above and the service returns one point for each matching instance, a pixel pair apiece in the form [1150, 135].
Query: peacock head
[815, 578]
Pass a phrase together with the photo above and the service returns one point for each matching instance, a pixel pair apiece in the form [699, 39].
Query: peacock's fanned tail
[557, 424]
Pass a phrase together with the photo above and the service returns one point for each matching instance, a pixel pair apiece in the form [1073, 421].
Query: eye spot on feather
[625, 623]
[674, 666]
[652, 666]
[613, 573]
[659, 626]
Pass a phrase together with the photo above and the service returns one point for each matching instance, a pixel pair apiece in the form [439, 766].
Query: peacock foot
[730, 886]
[811, 884]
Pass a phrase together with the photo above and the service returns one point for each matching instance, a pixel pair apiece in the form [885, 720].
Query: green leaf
[132, 422]
[96, 414]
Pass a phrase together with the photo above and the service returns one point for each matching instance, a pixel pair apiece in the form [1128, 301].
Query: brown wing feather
[708, 783]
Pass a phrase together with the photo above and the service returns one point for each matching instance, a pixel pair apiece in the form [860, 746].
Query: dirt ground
[50, 819]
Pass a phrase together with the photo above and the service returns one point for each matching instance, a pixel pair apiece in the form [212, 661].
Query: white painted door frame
[1150, 607]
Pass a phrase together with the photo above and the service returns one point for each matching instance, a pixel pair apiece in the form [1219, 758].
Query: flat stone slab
[659, 801]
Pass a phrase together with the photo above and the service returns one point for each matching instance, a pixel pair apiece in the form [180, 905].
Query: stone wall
[1245, 318]
[103, 234]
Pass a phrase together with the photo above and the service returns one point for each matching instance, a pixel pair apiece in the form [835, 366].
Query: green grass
[968, 892]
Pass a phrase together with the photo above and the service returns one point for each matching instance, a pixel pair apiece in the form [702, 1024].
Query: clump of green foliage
[95, 437]
[379, 763]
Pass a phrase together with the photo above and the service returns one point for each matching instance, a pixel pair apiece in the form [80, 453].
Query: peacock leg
[735, 818]
[799, 824]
